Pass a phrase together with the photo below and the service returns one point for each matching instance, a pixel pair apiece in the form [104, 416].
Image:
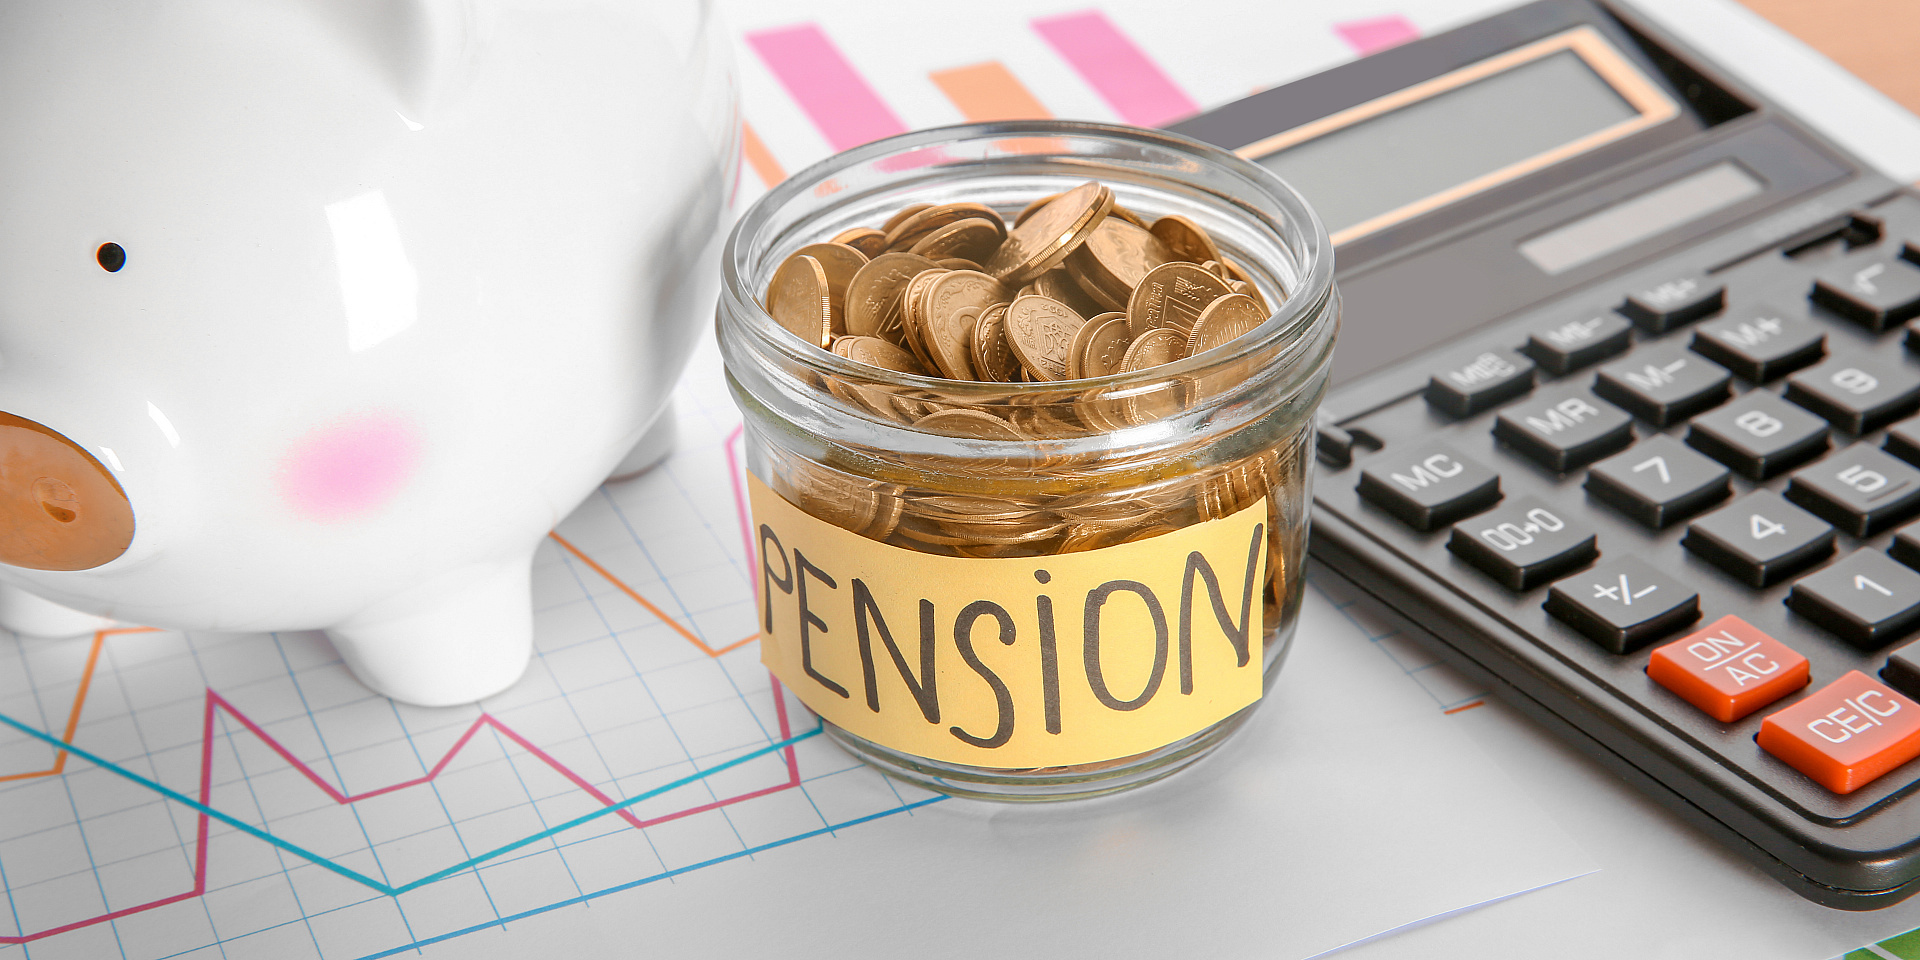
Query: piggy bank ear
[417, 47]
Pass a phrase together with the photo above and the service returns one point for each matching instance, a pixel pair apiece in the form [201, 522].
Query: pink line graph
[215, 702]
[1375, 34]
[1117, 69]
[834, 96]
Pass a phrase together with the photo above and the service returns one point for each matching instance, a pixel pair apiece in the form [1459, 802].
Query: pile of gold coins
[1077, 287]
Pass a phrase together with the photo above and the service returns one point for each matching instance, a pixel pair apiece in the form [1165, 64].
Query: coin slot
[111, 256]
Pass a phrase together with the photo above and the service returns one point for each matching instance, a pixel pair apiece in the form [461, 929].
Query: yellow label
[1030, 662]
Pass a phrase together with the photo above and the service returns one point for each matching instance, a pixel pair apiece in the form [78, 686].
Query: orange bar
[759, 157]
[988, 91]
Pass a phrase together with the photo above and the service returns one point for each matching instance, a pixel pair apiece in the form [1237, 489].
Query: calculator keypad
[1704, 492]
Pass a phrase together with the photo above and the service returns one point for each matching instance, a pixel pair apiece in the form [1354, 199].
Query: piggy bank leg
[653, 447]
[460, 638]
[29, 615]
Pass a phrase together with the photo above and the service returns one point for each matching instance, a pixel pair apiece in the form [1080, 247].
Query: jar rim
[1301, 307]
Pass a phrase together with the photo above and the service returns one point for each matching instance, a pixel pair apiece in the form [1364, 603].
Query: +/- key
[1623, 604]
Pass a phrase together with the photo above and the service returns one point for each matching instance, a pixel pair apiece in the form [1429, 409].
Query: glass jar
[936, 544]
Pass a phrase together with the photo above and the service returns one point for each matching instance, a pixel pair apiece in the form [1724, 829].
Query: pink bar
[1375, 34]
[842, 107]
[1138, 90]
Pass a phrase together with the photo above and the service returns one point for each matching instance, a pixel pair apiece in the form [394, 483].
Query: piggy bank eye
[112, 257]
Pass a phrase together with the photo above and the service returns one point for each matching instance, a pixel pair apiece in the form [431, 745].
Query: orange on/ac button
[1728, 670]
[1846, 734]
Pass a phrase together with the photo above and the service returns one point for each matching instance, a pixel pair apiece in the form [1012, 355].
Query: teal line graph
[360, 878]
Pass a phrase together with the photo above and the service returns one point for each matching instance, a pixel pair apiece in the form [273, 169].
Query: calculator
[1622, 420]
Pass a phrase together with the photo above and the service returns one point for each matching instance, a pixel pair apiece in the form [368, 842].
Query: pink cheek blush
[348, 469]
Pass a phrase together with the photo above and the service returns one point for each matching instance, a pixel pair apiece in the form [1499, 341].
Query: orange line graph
[1467, 706]
[79, 703]
[643, 601]
[760, 158]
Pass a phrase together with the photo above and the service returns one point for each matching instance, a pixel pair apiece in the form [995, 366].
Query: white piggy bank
[321, 313]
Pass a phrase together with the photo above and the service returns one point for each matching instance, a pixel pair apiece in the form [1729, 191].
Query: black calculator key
[1659, 481]
[1902, 671]
[1906, 545]
[1760, 538]
[1523, 543]
[1486, 380]
[1865, 599]
[1762, 343]
[1664, 383]
[1759, 435]
[1671, 303]
[1859, 489]
[1564, 429]
[1857, 393]
[1577, 343]
[1429, 487]
[1623, 604]
[1879, 292]
[1903, 440]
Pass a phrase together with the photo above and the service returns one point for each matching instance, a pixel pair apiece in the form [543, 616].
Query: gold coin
[1099, 346]
[1214, 267]
[950, 342]
[873, 296]
[961, 263]
[1234, 271]
[1053, 231]
[973, 238]
[867, 240]
[1129, 216]
[949, 335]
[1172, 295]
[972, 424]
[875, 352]
[901, 216]
[1153, 348]
[913, 315]
[1224, 321]
[992, 358]
[1115, 258]
[798, 300]
[1061, 284]
[842, 263]
[1184, 239]
[1241, 286]
[1034, 207]
[908, 232]
[1041, 331]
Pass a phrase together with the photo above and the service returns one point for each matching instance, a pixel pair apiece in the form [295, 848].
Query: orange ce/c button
[1728, 670]
[1846, 733]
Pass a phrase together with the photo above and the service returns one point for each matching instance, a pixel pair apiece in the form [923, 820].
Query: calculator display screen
[1357, 173]
[1417, 149]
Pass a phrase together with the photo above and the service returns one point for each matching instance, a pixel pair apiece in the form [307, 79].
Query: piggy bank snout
[59, 508]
